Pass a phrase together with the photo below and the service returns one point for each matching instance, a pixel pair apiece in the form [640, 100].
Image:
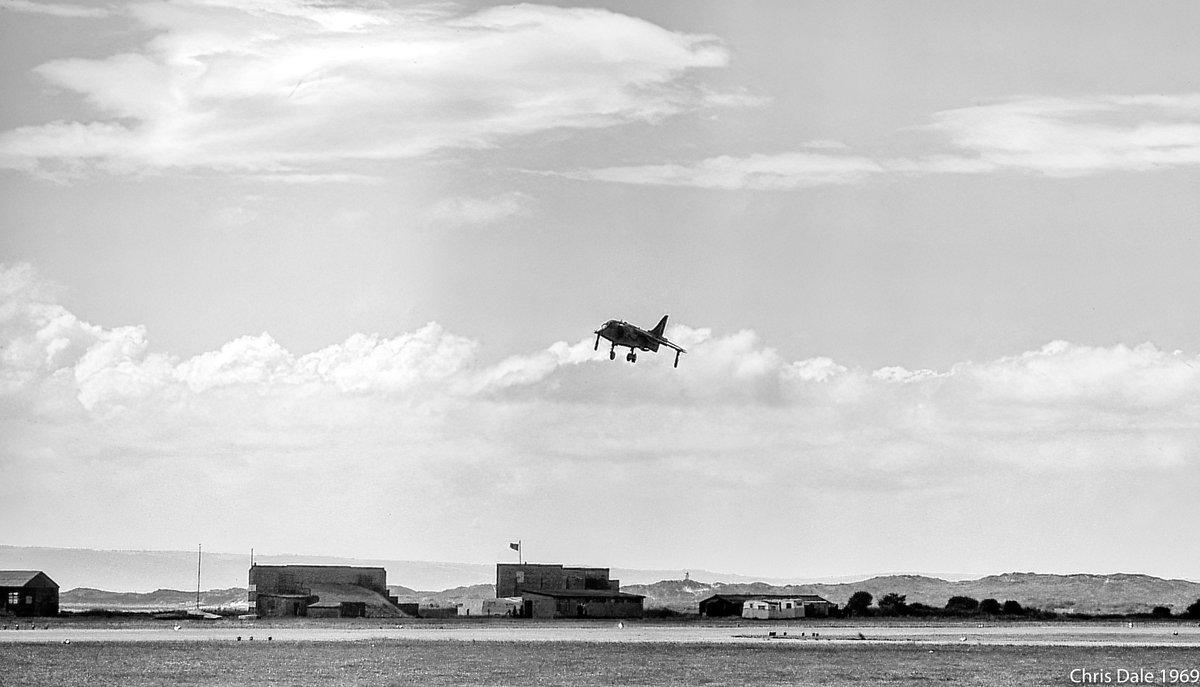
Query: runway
[1011, 634]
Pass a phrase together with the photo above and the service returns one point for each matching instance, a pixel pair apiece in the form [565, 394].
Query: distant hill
[85, 599]
[447, 597]
[145, 571]
[155, 572]
[1093, 594]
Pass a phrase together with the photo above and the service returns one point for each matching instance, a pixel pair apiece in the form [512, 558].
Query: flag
[515, 546]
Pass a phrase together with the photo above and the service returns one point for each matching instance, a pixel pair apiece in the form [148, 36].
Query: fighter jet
[635, 338]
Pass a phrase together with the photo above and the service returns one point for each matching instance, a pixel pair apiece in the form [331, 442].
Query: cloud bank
[1054, 137]
[450, 444]
[277, 87]
[64, 10]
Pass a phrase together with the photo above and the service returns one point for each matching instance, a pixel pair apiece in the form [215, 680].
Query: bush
[923, 610]
[962, 604]
[989, 606]
[1012, 608]
[1160, 612]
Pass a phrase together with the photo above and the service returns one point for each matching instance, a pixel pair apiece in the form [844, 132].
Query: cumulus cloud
[1058, 387]
[420, 426]
[277, 87]
[1055, 137]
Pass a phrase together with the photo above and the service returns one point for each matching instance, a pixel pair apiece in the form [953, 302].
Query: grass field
[431, 662]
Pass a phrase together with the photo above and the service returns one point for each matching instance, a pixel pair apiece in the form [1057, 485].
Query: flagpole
[520, 555]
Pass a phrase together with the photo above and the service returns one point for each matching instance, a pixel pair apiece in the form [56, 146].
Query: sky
[321, 277]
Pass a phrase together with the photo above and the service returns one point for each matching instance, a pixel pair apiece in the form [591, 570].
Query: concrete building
[556, 591]
[321, 591]
[733, 605]
[27, 593]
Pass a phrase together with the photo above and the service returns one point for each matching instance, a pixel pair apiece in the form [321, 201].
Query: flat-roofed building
[558, 591]
[581, 603]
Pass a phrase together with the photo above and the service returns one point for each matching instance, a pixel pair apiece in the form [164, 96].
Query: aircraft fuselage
[621, 333]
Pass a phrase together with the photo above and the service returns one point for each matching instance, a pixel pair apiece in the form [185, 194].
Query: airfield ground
[308, 653]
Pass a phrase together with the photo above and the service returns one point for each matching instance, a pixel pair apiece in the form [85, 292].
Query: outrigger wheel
[612, 355]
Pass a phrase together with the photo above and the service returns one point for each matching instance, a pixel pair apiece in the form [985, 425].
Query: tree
[893, 604]
[961, 604]
[858, 603]
[989, 606]
[1012, 608]
[1161, 612]
[1193, 611]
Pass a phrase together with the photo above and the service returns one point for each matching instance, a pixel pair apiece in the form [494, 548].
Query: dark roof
[21, 578]
[742, 598]
[583, 594]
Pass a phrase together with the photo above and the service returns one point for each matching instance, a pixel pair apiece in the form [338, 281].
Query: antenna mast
[199, 550]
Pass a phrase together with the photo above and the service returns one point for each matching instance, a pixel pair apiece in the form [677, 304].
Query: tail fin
[660, 327]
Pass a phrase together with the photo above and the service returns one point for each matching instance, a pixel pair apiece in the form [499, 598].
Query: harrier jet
[635, 338]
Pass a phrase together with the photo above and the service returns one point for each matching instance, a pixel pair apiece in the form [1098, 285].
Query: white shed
[489, 607]
[769, 609]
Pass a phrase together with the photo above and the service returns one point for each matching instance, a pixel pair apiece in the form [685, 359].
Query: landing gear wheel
[632, 357]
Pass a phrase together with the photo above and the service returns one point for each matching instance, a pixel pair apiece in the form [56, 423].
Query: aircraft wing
[665, 342]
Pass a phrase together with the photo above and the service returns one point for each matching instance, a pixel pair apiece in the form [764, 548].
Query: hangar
[321, 591]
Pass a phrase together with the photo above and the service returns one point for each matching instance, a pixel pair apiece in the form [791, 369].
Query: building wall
[513, 579]
[279, 606]
[489, 607]
[539, 606]
[346, 609]
[819, 609]
[719, 608]
[324, 612]
[756, 610]
[39, 597]
[296, 579]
